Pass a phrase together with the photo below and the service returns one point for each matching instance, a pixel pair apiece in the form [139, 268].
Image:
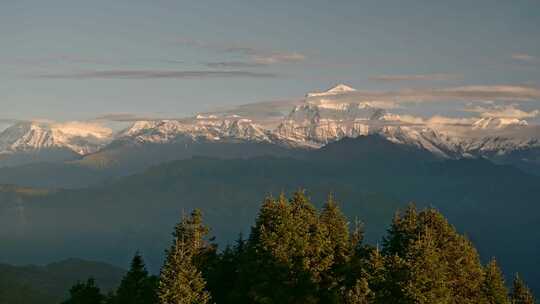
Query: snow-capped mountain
[208, 128]
[36, 136]
[336, 90]
[317, 124]
[322, 117]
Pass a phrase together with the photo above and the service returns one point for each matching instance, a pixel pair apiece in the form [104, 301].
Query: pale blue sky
[69, 59]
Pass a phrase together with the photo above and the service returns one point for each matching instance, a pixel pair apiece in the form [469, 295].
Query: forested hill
[491, 204]
[50, 284]
[297, 253]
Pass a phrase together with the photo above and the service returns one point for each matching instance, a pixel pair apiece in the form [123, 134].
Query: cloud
[482, 93]
[278, 57]
[456, 121]
[493, 92]
[156, 74]
[254, 55]
[173, 61]
[524, 57]
[80, 128]
[415, 77]
[507, 111]
[58, 59]
[234, 64]
[382, 104]
[127, 117]
[406, 119]
[9, 121]
[486, 95]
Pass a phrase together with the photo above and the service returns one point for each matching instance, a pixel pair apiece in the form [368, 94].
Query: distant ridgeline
[297, 254]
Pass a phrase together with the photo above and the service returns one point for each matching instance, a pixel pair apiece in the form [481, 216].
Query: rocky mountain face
[199, 128]
[32, 136]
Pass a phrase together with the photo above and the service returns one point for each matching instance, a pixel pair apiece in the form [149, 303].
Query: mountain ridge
[317, 121]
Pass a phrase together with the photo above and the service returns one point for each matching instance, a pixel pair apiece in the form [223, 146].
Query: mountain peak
[335, 90]
[211, 128]
[81, 138]
[340, 88]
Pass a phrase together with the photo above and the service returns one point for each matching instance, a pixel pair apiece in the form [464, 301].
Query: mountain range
[315, 122]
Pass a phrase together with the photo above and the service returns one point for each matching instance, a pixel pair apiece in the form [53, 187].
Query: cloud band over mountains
[511, 93]
[415, 77]
[156, 74]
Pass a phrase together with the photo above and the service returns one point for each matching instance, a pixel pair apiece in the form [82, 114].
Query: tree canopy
[298, 254]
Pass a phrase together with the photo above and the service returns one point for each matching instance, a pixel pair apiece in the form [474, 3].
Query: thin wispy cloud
[524, 57]
[436, 120]
[491, 92]
[254, 55]
[503, 111]
[450, 121]
[278, 57]
[416, 77]
[8, 120]
[173, 61]
[513, 93]
[156, 74]
[58, 59]
[128, 117]
[234, 64]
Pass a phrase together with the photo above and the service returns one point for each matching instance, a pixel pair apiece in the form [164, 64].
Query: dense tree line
[297, 254]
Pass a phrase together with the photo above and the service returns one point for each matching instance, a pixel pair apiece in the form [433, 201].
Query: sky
[69, 60]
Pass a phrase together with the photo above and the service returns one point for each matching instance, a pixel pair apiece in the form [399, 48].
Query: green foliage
[85, 293]
[137, 286]
[290, 251]
[359, 294]
[336, 226]
[427, 274]
[296, 254]
[521, 294]
[426, 237]
[494, 289]
[181, 281]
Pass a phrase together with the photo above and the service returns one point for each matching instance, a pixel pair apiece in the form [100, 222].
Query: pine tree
[337, 227]
[427, 270]
[312, 247]
[359, 294]
[85, 293]
[374, 269]
[224, 274]
[521, 294]
[356, 238]
[402, 231]
[137, 287]
[495, 291]
[268, 280]
[290, 250]
[464, 271]
[393, 276]
[181, 281]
